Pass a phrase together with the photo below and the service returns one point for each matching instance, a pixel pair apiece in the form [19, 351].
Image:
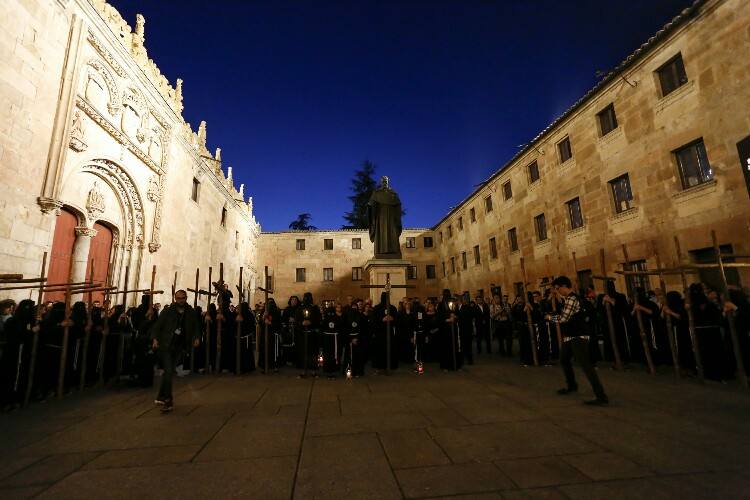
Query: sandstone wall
[94, 128]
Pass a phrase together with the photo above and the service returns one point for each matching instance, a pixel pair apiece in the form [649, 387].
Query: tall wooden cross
[239, 319]
[608, 308]
[627, 266]
[268, 290]
[387, 289]
[529, 319]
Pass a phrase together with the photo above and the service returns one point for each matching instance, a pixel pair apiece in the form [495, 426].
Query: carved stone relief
[77, 133]
[95, 202]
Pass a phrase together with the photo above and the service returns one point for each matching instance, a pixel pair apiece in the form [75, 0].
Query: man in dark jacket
[174, 332]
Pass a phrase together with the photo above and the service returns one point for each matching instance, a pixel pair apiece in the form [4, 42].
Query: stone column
[80, 255]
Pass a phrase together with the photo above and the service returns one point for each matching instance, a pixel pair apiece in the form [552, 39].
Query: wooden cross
[239, 319]
[266, 293]
[219, 285]
[35, 340]
[387, 289]
[196, 292]
[639, 318]
[608, 308]
[554, 305]
[529, 319]
[667, 316]
[691, 319]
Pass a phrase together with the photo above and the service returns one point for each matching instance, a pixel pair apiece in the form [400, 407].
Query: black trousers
[168, 357]
[578, 348]
[483, 334]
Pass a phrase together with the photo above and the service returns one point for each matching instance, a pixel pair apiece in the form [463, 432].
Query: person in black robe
[621, 321]
[367, 332]
[675, 308]
[308, 318]
[521, 321]
[333, 331]
[405, 331]
[419, 339]
[707, 317]
[271, 321]
[247, 334]
[482, 324]
[49, 351]
[352, 354]
[142, 318]
[209, 319]
[650, 318]
[382, 315]
[14, 369]
[737, 308]
[450, 355]
[466, 328]
[290, 331]
[431, 328]
[76, 336]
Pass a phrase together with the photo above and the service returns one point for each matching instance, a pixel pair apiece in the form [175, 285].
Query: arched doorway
[99, 252]
[62, 252]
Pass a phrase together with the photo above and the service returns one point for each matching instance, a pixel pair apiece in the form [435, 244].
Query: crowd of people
[350, 337]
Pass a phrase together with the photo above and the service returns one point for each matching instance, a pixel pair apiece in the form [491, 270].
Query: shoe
[597, 402]
[168, 406]
[566, 390]
[159, 401]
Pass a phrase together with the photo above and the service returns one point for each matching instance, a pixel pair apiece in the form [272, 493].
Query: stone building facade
[98, 162]
[658, 150]
[331, 264]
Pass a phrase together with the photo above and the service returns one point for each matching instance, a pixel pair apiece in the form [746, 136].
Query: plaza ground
[496, 430]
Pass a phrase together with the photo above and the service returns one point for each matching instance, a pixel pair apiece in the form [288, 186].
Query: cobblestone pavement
[496, 430]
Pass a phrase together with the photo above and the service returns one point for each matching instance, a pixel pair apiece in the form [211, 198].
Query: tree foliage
[363, 184]
[302, 223]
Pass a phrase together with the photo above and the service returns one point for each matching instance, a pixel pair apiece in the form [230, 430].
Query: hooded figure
[383, 315]
[14, 365]
[307, 319]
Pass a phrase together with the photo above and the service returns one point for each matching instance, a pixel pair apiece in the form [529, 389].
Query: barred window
[300, 244]
[621, 193]
[566, 152]
[300, 275]
[327, 274]
[533, 170]
[574, 213]
[430, 271]
[356, 243]
[493, 248]
[607, 119]
[513, 239]
[356, 274]
[672, 75]
[328, 244]
[693, 163]
[540, 224]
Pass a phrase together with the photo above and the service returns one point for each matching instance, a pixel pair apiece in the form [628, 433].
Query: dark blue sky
[438, 94]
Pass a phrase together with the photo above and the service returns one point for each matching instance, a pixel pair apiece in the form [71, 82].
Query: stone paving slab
[452, 479]
[495, 430]
[261, 478]
[345, 466]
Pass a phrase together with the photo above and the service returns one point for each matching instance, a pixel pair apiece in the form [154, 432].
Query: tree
[363, 184]
[302, 223]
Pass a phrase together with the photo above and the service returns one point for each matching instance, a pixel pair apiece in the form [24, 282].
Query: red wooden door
[62, 252]
[101, 246]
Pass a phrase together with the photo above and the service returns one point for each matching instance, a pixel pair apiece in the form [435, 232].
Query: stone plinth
[377, 270]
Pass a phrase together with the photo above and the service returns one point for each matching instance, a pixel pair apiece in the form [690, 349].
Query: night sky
[438, 94]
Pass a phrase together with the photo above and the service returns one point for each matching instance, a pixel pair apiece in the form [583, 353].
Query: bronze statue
[384, 221]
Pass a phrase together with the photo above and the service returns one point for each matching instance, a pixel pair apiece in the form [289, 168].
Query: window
[693, 163]
[574, 213]
[513, 239]
[328, 244]
[672, 75]
[224, 217]
[236, 240]
[563, 147]
[464, 263]
[327, 274]
[453, 265]
[300, 244]
[621, 193]
[196, 190]
[493, 248]
[444, 273]
[356, 243]
[507, 191]
[356, 274]
[472, 214]
[411, 272]
[450, 231]
[460, 223]
[430, 271]
[533, 170]
[269, 283]
[441, 236]
[477, 256]
[607, 120]
[540, 224]
[300, 275]
[427, 241]
[411, 242]
[488, 203]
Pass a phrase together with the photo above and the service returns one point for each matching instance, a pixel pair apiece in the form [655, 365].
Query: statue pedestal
[377, 269]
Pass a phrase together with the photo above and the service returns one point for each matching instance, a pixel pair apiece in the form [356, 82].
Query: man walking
[576, 325]
[172, 334]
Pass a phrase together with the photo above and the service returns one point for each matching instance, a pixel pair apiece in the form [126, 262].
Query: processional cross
[387, 289]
